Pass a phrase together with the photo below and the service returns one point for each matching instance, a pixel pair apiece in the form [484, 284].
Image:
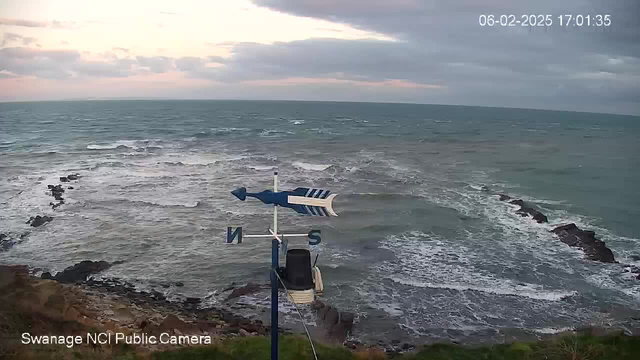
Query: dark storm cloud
[442, 42]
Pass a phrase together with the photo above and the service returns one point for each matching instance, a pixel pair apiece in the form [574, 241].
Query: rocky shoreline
[114, 304]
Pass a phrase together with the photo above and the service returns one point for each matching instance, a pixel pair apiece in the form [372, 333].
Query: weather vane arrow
[303, 200]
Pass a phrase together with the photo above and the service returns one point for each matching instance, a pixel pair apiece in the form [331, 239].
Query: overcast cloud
[436, 53]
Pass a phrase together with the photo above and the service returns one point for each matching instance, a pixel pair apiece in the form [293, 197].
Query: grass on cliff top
[616, 347]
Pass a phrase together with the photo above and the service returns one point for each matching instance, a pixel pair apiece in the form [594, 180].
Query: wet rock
[594, 249]
[192, 301]
[54, 205]
[79, 272]
[250, 288]
[317, 305]
[331, 317]
[39, 220]
[504, 197]
[46, 276]
[338, 324]
[73, 176]
[346, 318]
[70, 187]
[64, 179]
[6, 242]
[526, 210]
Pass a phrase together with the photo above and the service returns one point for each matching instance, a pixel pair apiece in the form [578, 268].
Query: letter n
[233, 234]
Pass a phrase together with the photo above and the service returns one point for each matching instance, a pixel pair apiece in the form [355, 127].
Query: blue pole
[274, 300]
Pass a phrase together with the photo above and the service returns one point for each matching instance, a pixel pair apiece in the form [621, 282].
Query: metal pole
[274, 280]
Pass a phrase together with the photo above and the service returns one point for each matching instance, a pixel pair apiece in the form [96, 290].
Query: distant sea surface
[418, 250]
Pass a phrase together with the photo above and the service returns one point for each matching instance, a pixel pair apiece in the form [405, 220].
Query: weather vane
[305, 201]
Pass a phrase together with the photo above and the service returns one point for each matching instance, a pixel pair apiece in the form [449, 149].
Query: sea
[420, 249]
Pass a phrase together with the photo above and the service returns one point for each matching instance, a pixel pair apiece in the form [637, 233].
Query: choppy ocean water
[419, 250]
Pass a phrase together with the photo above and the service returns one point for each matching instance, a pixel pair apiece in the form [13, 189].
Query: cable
[313, 348]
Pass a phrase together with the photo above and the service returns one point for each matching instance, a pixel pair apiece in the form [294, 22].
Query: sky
[417, 51]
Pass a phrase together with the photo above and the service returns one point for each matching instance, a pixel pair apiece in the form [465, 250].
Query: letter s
[314, 235]
[25, 338]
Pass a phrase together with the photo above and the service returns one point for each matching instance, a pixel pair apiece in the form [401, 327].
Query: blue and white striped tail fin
[320, 205]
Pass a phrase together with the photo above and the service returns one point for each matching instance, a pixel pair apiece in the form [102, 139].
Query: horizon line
[146, 98]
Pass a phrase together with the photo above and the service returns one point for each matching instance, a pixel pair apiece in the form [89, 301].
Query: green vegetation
[571, 347]
[614, 347]
[291, 348]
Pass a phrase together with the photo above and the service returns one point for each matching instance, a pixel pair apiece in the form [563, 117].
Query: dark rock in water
[5, 242]
[46, 276]
[338, 324]
[54, 205]
[70, 188]
[331, 317]
[504, 197]
[347, 319]
[80, 271]
[526, 210]
[595, 249]
[73, 176]
[64, 179]
[179, 284]
[39, 220]
[250, 288]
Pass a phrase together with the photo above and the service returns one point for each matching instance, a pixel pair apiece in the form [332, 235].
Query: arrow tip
[240, 193]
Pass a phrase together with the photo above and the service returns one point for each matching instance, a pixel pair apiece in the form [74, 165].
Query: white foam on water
[552, 330]
[297, 122]
[310, 167]
[261, 167]
[131, 144]
[498, 287]
[427, 260]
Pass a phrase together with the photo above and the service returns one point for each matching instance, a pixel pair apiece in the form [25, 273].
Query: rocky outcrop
[69, 177]
[56, 192]
[526, 210]
[80, 271]
[39, 220]
[337, 324]
[98, 308]
[7, 241]
[593, 248]
[250, 288]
